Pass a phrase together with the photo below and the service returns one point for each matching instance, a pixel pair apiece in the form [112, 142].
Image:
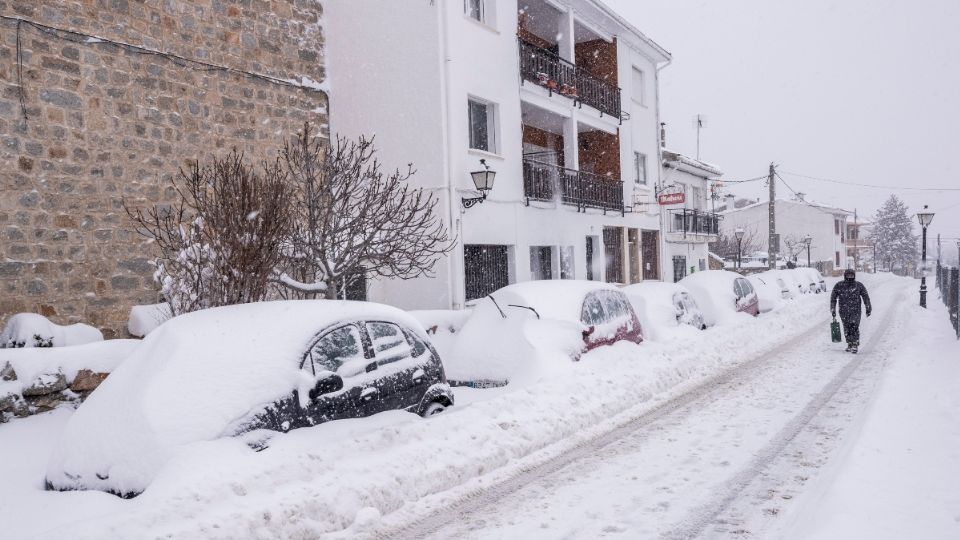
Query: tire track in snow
[708, 513]
[439, 518]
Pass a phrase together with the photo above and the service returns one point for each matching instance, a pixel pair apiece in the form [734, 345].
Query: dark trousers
[851, 328]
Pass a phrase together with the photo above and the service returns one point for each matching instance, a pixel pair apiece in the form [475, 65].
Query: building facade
[797, 219]
[691, 225]
[559, 97]
[102, 103]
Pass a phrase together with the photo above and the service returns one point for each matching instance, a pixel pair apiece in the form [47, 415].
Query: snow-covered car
[817, 283]
[234, 370]
[521, 328]
[770, 291]
[721, 294]
[661, 304]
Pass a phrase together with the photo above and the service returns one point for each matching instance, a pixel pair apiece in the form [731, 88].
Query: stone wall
[107, 120]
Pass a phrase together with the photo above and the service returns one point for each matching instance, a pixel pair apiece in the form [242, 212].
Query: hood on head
[849, 274]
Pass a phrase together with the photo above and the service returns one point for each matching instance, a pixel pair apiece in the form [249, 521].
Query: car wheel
[433, 409]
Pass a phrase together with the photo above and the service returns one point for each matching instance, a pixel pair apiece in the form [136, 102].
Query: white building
[689, 226]
[796, 219]
[559, 97]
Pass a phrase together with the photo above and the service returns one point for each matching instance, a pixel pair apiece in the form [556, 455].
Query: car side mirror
[589, 331]
[372, 366]
[327, 383]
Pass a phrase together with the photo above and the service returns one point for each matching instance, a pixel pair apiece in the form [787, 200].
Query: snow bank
[144, 319]
[442, 326]
[192, 377]
[33, 330]
[99, 357]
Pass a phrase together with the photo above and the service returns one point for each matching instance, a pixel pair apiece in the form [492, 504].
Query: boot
[853, 349]
[849, 347]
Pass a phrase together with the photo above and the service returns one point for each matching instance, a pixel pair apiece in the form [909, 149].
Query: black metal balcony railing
[558, 75]
[689, 221]
[548, 182]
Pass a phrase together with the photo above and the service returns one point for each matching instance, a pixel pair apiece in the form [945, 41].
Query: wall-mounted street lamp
[925, 218]
[739, 232]
[483, 180]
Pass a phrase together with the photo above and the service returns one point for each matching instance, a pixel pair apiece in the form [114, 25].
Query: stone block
[87, 380]
[46, 384]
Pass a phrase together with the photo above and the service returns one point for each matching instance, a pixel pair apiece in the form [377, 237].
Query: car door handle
[369, 393]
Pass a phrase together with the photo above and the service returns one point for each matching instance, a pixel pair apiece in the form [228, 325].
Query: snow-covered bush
[33, 330]
[144, 319]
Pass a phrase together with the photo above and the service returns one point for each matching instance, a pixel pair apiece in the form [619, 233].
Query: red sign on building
[666, 199]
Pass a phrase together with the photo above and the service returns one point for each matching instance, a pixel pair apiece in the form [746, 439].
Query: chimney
[729, 200]
[663, 134]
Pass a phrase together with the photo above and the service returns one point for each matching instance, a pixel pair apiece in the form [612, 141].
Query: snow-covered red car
[539, 322]
[228, 371]
[721, 294]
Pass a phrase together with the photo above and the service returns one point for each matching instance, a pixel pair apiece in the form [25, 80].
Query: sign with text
[666, 199]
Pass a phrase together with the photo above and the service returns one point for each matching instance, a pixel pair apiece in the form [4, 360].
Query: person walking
[849, 292]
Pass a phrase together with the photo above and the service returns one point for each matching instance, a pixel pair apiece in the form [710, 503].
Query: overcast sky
[863, 91]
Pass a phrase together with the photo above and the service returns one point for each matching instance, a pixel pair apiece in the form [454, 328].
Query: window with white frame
[482, 116]
[476, 9]
[640, 168]
[639, 88]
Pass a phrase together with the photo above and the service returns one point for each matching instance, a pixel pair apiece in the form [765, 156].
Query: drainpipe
[453, 268]
[660, 142]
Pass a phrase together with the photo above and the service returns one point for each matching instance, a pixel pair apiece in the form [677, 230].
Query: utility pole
[856, 242]
[772, 248]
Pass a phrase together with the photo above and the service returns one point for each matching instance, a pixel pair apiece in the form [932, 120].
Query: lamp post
[483, 180]
[924, 218]
[739, 232]
[806, 240]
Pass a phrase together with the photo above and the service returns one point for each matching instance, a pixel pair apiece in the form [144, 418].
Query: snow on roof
[683, 162]
[633, 29]
[188, 380]
[824, 207]
[714, 256]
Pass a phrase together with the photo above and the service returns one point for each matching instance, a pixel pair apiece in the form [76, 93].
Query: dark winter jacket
[849, 292]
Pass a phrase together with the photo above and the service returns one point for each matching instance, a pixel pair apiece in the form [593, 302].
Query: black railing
[545, 68]
[548, 182]
[948, 283]
[690, 221]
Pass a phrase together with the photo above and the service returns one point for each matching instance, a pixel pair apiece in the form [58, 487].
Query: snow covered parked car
[817, 284]
[227, 371]
[661, 304]
[721, 294]
[523, 328]
[770, 290]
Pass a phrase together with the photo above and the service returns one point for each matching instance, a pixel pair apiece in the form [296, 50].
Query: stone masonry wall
[106, 122]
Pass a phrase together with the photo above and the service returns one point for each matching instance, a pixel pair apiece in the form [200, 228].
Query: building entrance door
[633, 249]
[650, 249]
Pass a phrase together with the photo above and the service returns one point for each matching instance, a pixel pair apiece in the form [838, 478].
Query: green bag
[835, 331]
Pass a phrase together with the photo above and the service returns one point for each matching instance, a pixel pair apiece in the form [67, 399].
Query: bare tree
[352, 221]
[220, 243]
[726, 245]
[795, 246]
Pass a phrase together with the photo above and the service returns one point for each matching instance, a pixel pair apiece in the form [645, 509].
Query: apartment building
[689, 223]
[558, 97]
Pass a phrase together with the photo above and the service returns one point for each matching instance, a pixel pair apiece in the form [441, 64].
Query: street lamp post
[806, 240]
[924, 218]
[739, 232]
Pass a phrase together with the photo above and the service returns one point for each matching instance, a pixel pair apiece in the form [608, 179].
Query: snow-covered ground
[394, 472]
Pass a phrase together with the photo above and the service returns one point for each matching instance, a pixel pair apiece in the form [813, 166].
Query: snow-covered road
[724, 459]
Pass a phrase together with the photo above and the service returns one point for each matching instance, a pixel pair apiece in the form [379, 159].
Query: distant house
[797, 219]
[860, 248]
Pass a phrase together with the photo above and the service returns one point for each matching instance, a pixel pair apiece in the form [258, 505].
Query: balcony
[686, 224]
[548, 70]
[547, 182]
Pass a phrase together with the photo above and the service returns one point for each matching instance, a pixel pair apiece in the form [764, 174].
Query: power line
[819, 179]
[764, 177]
[801, 199]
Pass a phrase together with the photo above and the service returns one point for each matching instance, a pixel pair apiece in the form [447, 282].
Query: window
[474, 9]
[679, 268]
[838, 259]
[639, 90]
[836, 226]
[389, 342]
[339, 351]
[541, 262]
[482, 118]
[640, 168]
[566, 262]
[486, 269]
[592, 312]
